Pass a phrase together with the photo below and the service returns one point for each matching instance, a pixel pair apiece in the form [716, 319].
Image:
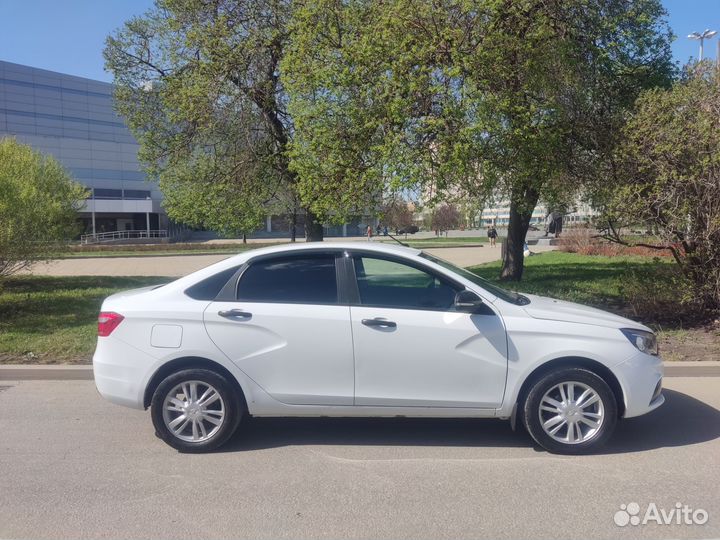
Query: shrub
[668, 177]
[664, 296]
[38, 206]
[587, 242]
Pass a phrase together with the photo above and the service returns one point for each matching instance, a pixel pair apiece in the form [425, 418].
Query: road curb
[67, 372]
[59, 372]
[692, 369]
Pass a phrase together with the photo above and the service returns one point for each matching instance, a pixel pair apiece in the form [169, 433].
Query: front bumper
[640, 377]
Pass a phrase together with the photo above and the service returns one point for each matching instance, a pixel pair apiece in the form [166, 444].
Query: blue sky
[68, 35]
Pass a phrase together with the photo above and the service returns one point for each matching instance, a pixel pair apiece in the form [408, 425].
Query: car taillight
[107, 322]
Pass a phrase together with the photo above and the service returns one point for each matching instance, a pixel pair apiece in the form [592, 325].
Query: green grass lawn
[595, 280]
[54, 319]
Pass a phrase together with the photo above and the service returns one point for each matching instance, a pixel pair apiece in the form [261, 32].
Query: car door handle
[381, 323]
[231, 313]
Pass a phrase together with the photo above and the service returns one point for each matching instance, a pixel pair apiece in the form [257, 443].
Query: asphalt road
[74, 466]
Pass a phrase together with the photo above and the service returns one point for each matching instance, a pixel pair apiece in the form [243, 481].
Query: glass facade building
[72, 119]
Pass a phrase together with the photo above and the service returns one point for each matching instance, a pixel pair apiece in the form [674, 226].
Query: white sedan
[355, 329]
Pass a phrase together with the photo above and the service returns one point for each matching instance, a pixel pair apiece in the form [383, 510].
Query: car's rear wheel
[195, 410]
[570, 411]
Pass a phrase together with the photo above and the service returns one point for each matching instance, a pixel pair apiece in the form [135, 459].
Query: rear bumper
[641, 380]
[121, 371]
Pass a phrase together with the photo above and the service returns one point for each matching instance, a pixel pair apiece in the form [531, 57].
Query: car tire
[570, 411]
[201, 423]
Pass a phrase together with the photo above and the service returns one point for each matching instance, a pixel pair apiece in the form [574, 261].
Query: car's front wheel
[195, 410]
[570, 411]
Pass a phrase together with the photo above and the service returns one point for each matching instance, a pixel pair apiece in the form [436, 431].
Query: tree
[521, 99]
[667, 177]
[397, 214]
[199, 84]
[445, 217]
[38, 206]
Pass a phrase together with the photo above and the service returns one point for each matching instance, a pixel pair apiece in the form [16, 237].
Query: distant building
[496, 212]
[72, 118]
[499, 215]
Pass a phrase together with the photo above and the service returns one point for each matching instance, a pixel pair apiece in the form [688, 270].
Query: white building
[499, 215]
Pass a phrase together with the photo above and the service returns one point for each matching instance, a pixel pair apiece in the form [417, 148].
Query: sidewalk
[181, 265]
[66, 372]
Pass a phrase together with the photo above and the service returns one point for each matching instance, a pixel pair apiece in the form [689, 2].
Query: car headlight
[643, 341]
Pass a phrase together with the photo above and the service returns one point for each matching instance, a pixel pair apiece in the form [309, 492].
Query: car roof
[380, 247]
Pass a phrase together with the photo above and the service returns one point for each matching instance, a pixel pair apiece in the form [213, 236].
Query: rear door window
[301, 279]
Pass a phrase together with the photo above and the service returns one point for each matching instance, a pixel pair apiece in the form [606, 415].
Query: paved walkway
[180, 265]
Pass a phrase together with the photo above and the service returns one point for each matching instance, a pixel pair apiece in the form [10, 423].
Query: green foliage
[518, 98]
[218, 204]
[667, 176]
[338, 105]
[38, 206]
[199, 85]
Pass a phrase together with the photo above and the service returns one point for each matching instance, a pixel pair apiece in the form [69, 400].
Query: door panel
[287, 329]
[299, 354]
[430, 358]
[413, 349]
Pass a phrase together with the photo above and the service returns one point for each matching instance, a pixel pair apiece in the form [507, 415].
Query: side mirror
[467, 301]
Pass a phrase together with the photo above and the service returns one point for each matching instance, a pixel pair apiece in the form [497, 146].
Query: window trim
[354, 290]
[229, 293]
[185, 291]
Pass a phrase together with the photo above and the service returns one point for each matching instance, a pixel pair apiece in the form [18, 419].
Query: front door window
[387, 283]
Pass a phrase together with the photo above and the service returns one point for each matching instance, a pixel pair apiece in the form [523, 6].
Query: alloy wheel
[571, 412]
[193, 411]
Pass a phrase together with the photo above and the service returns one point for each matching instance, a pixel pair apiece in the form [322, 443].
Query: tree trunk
[522, 204]
[293, 226]
[313, 228]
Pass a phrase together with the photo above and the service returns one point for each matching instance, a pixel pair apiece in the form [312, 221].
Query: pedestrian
[385, 231]
[558, 224]
[549, 224]
[492, 234]
[369, 233]
[378, 230]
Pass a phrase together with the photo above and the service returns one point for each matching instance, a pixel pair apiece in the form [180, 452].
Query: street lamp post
[707, 34]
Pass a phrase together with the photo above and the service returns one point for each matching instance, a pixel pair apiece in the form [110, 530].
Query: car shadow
[681, 421]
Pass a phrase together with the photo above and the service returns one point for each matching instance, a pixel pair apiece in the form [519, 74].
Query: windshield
[508, 296]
